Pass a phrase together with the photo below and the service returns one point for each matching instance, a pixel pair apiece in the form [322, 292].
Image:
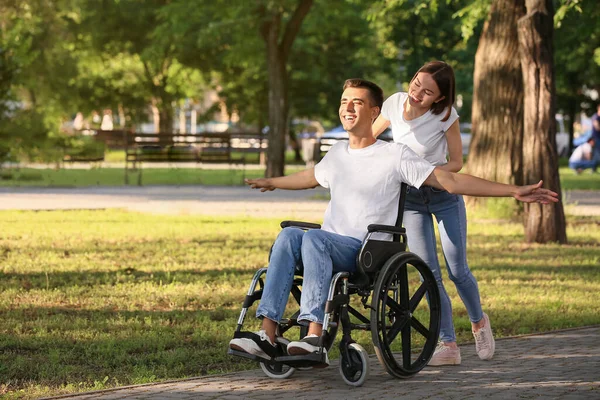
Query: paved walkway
[561, 365]
[207, 200]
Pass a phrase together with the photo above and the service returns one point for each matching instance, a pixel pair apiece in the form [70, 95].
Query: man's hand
[535, 194]
[264, 184]
[300, 180]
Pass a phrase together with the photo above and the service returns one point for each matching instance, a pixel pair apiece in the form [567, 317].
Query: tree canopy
[147, 57]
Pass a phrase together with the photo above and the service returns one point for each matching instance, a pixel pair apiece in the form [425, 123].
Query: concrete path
[209, 200]
[561, 365]
[206, 200]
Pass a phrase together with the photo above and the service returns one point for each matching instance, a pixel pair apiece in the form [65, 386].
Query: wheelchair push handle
[299, 224]
[386, 229]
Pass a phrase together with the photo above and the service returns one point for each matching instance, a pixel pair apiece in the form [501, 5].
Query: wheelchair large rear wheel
[405, 315]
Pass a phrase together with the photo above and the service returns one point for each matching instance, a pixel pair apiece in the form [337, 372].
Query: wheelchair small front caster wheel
[354, 367]
[277, 371]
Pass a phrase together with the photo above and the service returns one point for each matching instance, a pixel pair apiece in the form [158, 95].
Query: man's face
[356, 111]
[423, 91]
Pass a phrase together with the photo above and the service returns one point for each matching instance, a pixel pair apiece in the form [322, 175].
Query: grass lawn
[96, 299]
[96, 176]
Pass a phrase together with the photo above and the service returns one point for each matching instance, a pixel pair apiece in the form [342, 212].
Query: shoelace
[441, 348]
[485, 344]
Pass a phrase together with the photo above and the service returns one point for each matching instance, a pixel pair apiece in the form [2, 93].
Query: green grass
[116, 177]
[97, 176]
[97, 299]
[586, 181]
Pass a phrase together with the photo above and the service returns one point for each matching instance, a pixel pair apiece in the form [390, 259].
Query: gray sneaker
[445, 355]
[485, 345]
[307, 345]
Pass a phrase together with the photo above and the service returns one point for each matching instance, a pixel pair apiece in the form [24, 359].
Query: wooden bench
[205, 148]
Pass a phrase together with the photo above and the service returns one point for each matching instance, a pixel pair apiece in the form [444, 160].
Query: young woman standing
[425, 120]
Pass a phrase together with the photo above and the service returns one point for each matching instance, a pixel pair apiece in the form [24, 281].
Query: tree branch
[293, 27]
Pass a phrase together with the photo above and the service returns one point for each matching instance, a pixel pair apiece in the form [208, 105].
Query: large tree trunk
[277, 56]
[543, 223]
[278, 104]
[162, 115]
[495, 151]
[166, 118]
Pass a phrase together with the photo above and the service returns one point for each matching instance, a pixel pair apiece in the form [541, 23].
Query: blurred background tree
[146, 59]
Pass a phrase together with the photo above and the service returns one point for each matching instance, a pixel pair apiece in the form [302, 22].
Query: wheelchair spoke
[396, 328]
[391, 303]
[406, 347]
[419, 327]
[417, 297]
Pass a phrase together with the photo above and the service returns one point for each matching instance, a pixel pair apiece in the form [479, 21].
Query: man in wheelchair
[364, 176]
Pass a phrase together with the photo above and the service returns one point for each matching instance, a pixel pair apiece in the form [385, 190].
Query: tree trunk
[543, 222]
[495, 152]
[277, 56]
[166, 117]
[278, 105]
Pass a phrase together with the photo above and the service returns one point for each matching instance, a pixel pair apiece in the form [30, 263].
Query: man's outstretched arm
[300, 180]
[473, 186]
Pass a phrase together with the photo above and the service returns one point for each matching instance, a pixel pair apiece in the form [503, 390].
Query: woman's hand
[535, 194]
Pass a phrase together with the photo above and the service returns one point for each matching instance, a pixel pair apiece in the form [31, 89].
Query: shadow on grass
[62, 280]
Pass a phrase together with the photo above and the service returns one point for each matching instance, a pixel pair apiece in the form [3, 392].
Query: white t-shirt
[581, 152]
[425, 135]
[365, 184]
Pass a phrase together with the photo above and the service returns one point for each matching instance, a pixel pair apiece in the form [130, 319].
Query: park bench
[207, 148]
[95, 142]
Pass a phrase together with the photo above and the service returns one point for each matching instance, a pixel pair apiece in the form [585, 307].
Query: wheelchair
[400, 297]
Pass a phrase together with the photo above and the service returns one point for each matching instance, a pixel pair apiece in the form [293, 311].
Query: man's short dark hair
[375, 91]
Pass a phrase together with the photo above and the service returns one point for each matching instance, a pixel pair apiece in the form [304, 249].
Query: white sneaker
[445, 355]
[485, 345]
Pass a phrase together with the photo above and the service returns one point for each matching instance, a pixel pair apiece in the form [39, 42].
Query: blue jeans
[450, 213]
[317, 255]
[584, 164]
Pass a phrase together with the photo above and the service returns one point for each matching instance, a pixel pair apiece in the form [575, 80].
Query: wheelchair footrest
[303, 361]
[247, 355]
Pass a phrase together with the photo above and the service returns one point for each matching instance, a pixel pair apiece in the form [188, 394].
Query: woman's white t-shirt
[425, 135]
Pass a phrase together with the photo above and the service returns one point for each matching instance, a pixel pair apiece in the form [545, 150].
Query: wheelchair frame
[382, 274]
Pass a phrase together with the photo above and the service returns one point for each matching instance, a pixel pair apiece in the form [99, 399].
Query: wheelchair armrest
[386, 229]
[299, 224]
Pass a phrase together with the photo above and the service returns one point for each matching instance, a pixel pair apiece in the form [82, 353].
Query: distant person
[107, 122]
[583, 156]
[596, 134]
[78, 122]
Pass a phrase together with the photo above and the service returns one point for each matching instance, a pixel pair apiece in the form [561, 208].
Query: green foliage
[577, 43]
[139, 66]
[414, 33]
[29, 135]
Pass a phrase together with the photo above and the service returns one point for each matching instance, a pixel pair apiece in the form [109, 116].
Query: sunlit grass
[95, 299]
[72, 176]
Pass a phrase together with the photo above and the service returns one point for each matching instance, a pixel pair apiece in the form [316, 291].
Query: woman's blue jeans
[449, 210]
[317, 255]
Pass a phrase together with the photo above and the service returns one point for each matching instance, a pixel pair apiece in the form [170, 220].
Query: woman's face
[423, 92]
